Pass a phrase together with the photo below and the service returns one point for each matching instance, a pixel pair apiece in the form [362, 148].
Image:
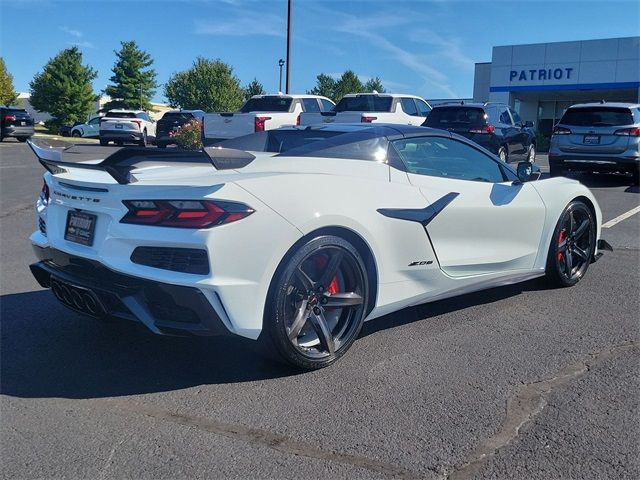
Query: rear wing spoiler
[120, 164]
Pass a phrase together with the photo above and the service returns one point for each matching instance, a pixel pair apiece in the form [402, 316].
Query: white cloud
[245, 24]
[447, 48]
[70, 31]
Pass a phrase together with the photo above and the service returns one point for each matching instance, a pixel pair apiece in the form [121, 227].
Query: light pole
[289, 9]
[280, 64]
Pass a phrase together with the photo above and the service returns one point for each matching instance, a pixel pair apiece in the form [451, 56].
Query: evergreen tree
[374, 84]
[64, 88]
[348, 83]
[134, 82]
[208, 85]
[325, 86]
[8, 95]
[254, 88]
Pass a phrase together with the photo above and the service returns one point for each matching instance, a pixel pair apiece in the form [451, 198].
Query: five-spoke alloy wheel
[572, 245]
[317, 302]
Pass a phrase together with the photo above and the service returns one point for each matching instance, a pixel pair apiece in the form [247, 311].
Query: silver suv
[597, 137]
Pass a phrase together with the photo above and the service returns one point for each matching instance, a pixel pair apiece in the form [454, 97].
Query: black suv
[171, 121]
[495, 126]
[15, 122]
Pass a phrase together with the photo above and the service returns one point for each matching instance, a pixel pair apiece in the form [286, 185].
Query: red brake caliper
[561, 237]
[333, 287]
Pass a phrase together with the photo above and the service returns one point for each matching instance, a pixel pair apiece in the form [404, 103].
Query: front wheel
[22, 139]
[104, 142]
[572, 245]
[75, 134]
[531, 155]
[502, 153]
[317, 303]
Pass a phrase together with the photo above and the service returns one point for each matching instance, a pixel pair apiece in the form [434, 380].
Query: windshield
[177, 117]
[267, 104]
[120, 115]
[366, 145]
[597, 117]
[445, 117]
[364, 103]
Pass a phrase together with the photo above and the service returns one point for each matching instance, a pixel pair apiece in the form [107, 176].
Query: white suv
[120, 126]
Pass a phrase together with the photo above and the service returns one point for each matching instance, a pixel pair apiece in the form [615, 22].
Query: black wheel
[502, 153]
[317, 303]
[555, 170]
[572, 245]
[104, 142]
[22, 139]
[119, 143]
[76, 134]
[161, 145]
[143, 142]
[531, 155]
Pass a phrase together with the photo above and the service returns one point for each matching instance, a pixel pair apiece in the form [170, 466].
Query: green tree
[254, 88]
[374, 84]
[64, 89]
[208, 85]
[348, 83]
[325, 86]
[8, 95]
[134, 82]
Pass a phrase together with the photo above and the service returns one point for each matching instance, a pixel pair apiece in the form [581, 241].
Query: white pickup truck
[260, 113]
[373, 107]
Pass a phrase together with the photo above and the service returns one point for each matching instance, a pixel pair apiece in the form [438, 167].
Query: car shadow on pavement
[49, 351]
[605, 180]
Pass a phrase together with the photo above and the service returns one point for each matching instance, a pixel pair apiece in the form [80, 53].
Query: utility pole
[289, 47]
[280, 64]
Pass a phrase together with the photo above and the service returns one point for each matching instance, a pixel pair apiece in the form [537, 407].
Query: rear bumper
[13, 131]
[122, 135]
[89, 287]
[594, 162]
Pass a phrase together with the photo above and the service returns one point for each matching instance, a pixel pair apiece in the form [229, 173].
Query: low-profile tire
[531, 154]
[503, 155]
[572, 245]
[76, 134]
[143, 141]
[104, 142]
[22, 139]
[316, 303]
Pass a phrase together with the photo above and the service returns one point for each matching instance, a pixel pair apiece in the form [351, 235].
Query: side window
[409, 106]
[516, 118]
[310, 105]
[326, 105]
[423, 108]
[94, 121]
[448, 158]
[504, 116]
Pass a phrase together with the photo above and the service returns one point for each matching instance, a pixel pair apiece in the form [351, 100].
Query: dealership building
[541, 80]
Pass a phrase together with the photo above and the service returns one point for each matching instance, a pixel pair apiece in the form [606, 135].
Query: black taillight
[44, 192]
[184, 213]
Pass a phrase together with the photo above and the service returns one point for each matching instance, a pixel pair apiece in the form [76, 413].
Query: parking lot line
[620, 218]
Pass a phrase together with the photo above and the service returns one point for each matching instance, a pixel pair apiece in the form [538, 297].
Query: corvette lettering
[80, 198]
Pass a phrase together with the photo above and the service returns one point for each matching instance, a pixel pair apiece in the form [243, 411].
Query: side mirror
[528, 172]
[528, 124]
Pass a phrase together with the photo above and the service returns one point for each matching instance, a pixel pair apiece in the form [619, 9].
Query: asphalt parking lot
[514, 382]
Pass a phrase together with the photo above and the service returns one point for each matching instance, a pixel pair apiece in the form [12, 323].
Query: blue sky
[425, 47]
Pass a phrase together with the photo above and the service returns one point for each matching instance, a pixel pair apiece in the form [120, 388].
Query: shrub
[188, 136]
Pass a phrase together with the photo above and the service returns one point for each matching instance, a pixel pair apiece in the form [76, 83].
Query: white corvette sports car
[297, 250]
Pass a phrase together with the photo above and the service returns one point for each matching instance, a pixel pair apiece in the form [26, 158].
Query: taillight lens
[298, 120]
[365, 119]
[44, 192]
[259, 123]
[184, 213]
[138, 122]
[487, 129]
[561, 131]
[630, 132]
[9, 118]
